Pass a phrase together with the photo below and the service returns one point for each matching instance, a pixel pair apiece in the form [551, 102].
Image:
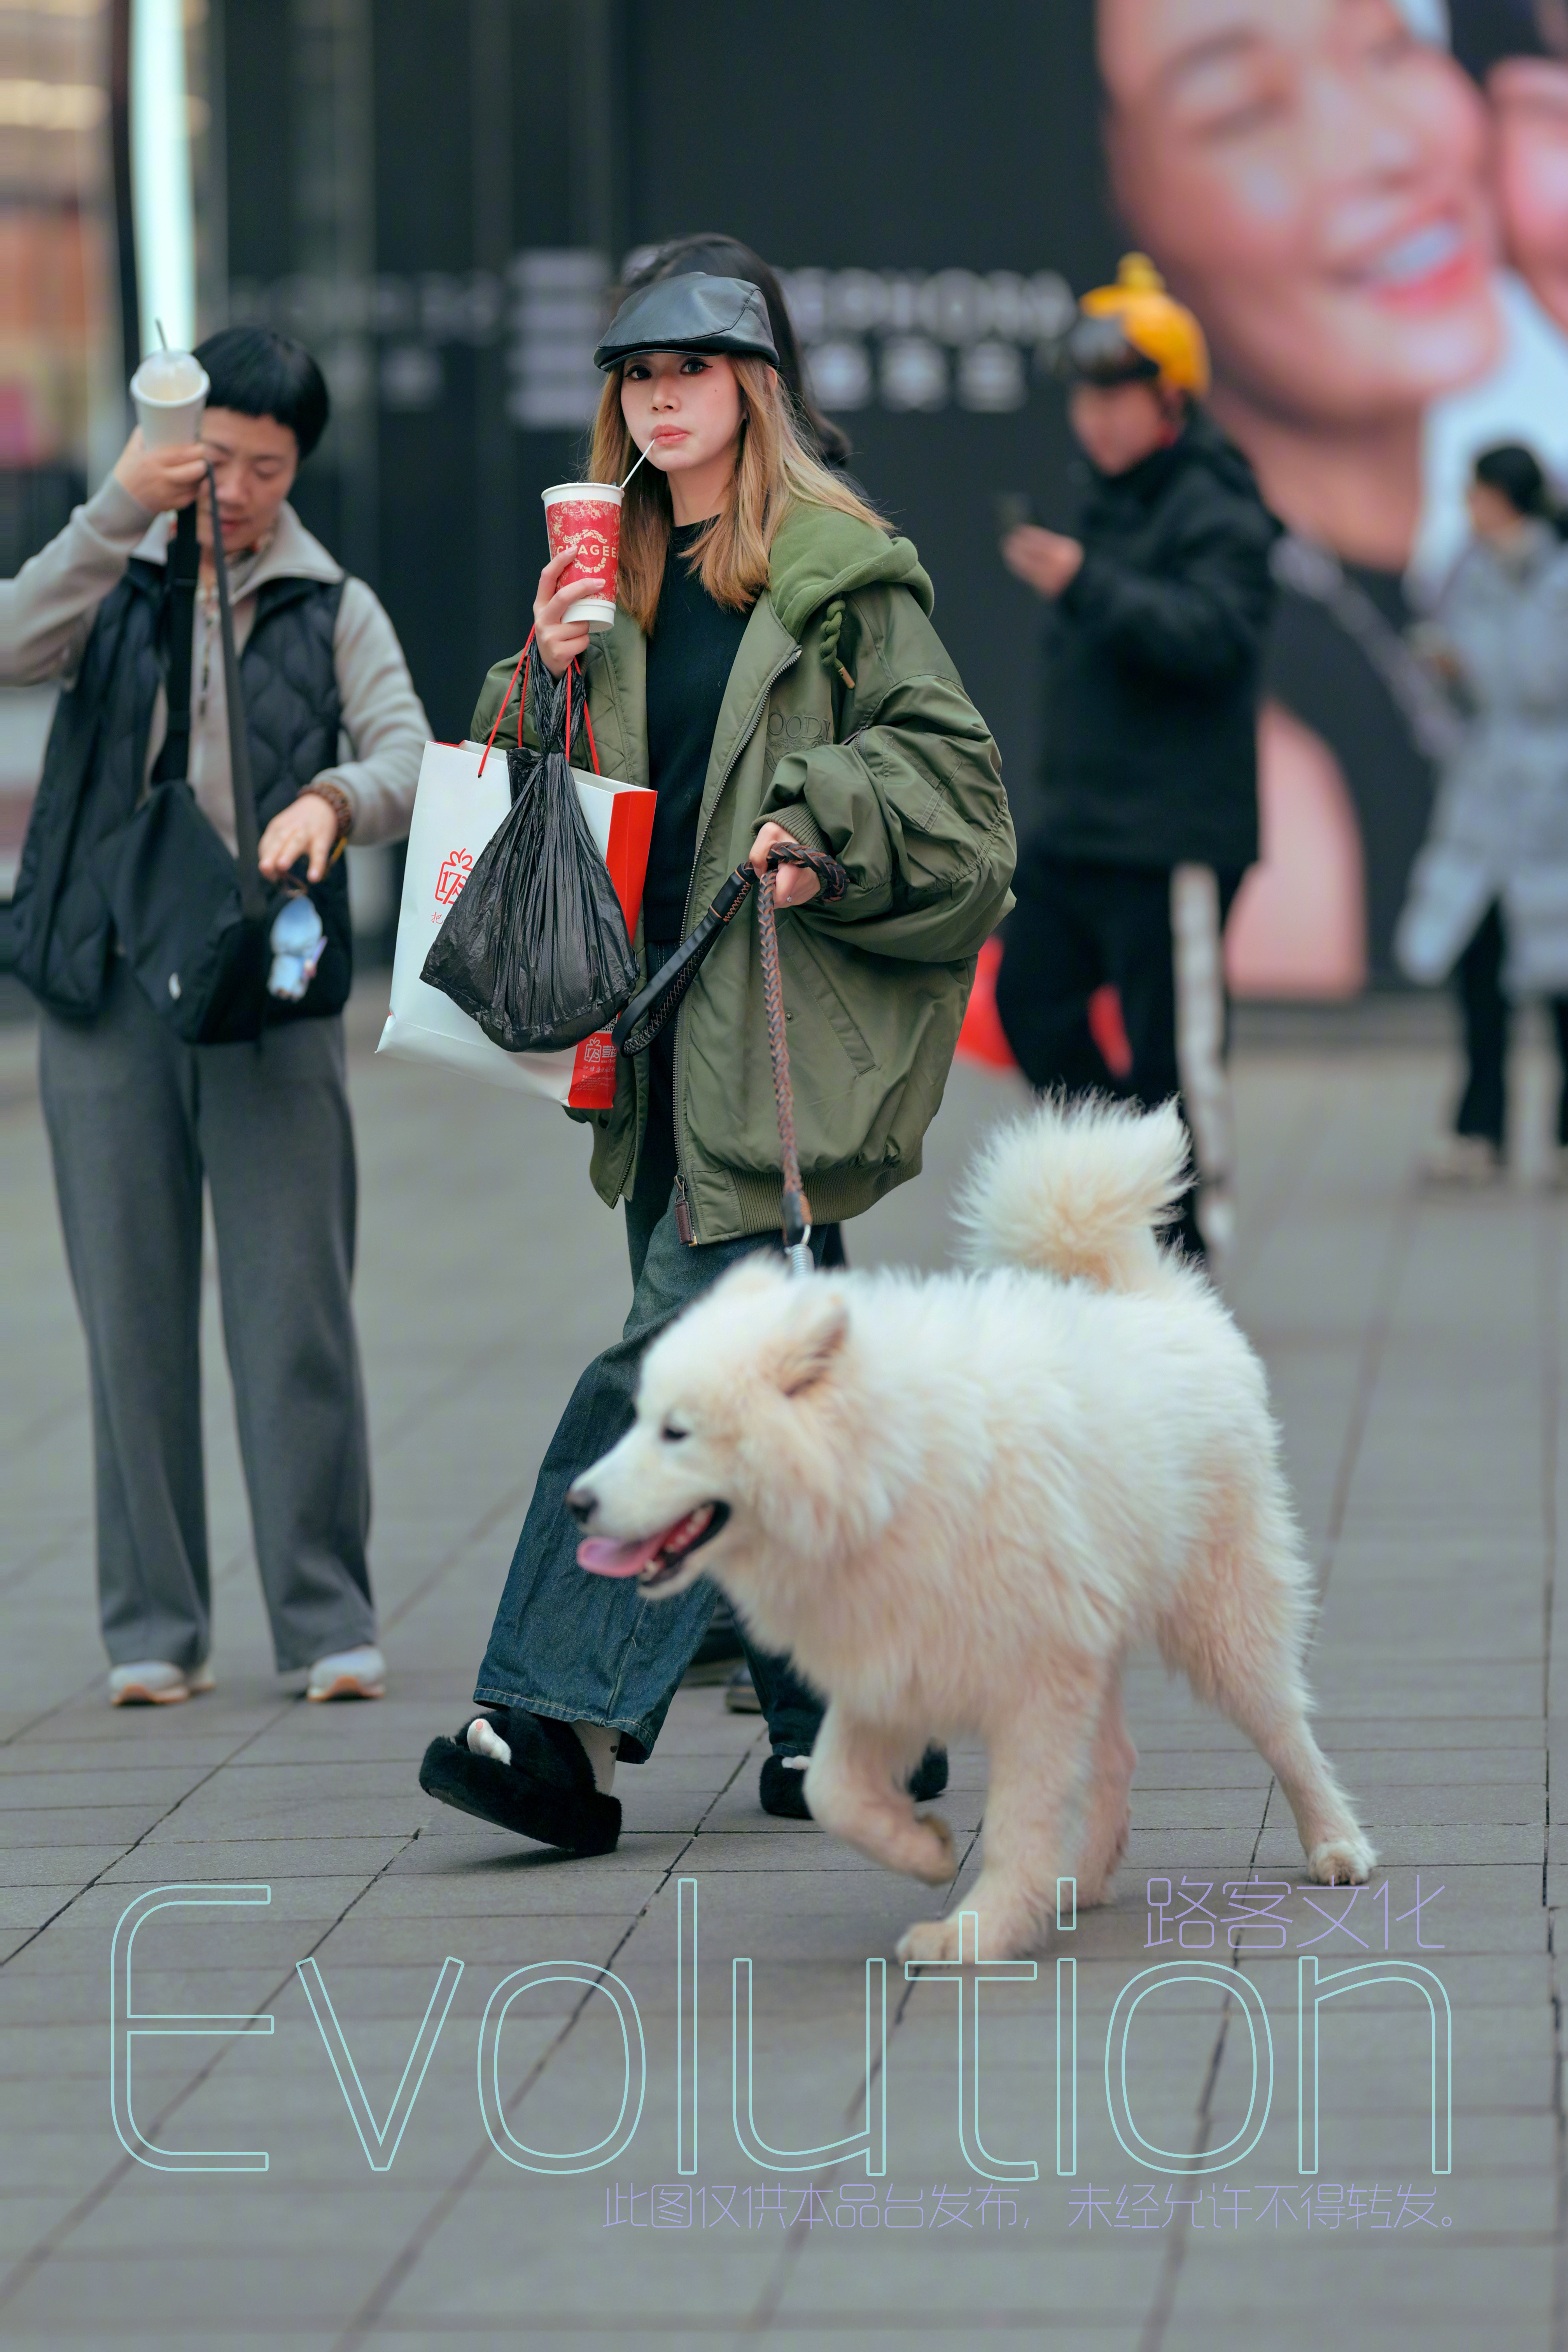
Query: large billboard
[1363, 199]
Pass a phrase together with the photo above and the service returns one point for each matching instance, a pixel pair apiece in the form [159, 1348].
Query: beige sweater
[46, 613]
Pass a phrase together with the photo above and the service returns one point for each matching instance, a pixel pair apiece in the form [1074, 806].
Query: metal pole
[120, 158]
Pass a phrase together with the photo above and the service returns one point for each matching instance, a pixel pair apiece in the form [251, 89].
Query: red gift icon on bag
[455, 869]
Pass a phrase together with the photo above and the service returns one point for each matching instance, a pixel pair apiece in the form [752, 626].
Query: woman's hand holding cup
[560, 642]
[160, 479]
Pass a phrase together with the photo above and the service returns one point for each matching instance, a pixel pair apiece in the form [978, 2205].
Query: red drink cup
[586, 518]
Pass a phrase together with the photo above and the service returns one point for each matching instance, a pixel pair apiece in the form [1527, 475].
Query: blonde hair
[773, 471]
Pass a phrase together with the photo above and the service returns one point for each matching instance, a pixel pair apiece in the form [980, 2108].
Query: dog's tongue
[602, 1556]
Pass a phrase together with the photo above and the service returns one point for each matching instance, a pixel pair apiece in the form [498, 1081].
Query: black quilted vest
[57, 937]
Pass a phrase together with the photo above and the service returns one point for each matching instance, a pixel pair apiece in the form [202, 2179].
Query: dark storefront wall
[908, 141]
[519, 138]
[435, 194]
[398, 262]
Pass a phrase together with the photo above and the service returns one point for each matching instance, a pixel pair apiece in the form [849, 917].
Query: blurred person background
[381, 180]
[1316, 178]
[145, 1129]
[1488, 897]
[1518, 52]
[1158, 602]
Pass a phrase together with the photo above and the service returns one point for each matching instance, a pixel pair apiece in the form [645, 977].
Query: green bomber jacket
[895, 773]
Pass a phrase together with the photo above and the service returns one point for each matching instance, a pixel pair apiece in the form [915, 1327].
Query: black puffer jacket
[1151, 664]
[56, 935]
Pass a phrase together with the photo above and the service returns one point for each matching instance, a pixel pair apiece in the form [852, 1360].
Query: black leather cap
[694, 313]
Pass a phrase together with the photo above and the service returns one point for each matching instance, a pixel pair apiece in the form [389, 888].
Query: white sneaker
[349, 1673]
[1468, 1159]
[153, 1684]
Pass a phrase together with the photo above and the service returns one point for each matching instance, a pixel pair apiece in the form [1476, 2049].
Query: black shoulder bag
[194, 921]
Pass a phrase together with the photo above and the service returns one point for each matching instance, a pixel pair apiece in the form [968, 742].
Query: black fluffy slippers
[783, 1789]
[546, 1793]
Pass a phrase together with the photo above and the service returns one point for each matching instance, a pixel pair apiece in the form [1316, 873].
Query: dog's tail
[1082, 1189]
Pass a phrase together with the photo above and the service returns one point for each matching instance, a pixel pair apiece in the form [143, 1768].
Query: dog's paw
[1101, 1860]
[930, 1939]
[1091, 1893]
[1346, 1861]
[935, 1857]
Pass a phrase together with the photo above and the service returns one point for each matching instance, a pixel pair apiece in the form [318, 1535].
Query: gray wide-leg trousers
[135, 1120]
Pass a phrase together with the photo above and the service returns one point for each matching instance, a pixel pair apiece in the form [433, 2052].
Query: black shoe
[783, 1787]
[546, 1793]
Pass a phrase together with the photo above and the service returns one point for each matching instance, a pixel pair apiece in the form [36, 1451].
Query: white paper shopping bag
[456, 812]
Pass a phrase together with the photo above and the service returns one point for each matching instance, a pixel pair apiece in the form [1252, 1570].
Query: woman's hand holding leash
[793, 884]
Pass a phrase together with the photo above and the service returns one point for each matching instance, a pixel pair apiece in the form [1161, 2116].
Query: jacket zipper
[683, 1224]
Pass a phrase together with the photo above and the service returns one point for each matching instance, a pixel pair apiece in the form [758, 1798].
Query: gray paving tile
[69, 1825]
[1440, 1767]
[1393, 2280]
[74, 2294]
[1404, 1843]
[68, 1865]
[234, 1860]
[1428, 1671]
[232, 2337]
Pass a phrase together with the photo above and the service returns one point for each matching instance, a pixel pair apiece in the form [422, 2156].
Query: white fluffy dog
[954, 1502]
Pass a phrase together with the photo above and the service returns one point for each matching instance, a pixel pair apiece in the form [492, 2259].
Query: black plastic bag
[535, 947]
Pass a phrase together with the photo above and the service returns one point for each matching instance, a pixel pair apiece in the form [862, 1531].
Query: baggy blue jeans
[590, 1648]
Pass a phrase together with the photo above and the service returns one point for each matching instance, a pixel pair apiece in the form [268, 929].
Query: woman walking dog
[774, 675]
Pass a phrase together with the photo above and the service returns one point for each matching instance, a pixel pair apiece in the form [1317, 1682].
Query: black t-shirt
[690, 654]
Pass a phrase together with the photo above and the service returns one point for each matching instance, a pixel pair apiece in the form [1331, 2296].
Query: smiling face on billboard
[1308, 175]
[1530, 99]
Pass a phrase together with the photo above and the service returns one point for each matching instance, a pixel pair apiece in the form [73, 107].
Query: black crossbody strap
[247, 834]
[185, 563]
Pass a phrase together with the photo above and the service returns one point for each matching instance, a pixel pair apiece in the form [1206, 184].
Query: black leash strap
[794, 1208]
[637, 1027]
[652, 1006]
[648, 1013]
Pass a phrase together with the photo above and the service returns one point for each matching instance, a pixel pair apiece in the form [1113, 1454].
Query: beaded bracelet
[337, 800]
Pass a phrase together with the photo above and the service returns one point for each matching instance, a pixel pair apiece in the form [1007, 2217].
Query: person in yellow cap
[1147, 818]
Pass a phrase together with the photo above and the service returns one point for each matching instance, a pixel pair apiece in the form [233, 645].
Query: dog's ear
[804, 1354]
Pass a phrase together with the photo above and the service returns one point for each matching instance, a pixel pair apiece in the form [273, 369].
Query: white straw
[635, 468]
[163, 338]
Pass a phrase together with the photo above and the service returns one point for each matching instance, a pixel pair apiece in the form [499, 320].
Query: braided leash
[797, 1207]
[648, 1013]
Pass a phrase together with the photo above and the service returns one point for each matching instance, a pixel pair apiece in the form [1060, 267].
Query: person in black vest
[1148, 814]
[136, 1119]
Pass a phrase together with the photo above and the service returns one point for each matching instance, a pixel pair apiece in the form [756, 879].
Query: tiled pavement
[1415, 1351]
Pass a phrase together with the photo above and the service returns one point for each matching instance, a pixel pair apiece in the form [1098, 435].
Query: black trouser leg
[1560, 1030]
[1487, 1015]
[793, 1711]
[1051, 965]
[1164, 933]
